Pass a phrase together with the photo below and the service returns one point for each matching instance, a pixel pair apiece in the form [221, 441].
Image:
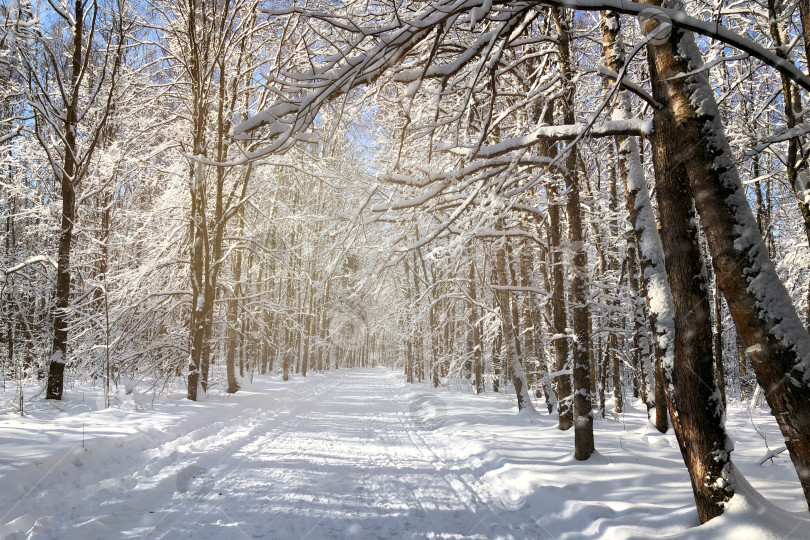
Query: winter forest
[406, 268]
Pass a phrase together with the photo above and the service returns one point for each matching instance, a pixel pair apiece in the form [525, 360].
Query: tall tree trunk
[777, 342]
[583, 410]
[640, 353]
[434, 353]
[309, 330]
[561, 382]
[653, 284]
[199, 302]
[233, 317]
[475, 328]
[198, 234]
[497, 356]
[695, 407]
[602, 362]
[616, 372]
[59, 351]
[613, 317]
[409, 363]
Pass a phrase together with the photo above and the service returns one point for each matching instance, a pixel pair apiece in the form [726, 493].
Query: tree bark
[509, 335]
[777, 342]
[694, 402]
[583, 410]
[56, 368]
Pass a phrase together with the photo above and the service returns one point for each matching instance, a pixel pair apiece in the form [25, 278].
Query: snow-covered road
[339, 457]
[362, 454]
[343, 460]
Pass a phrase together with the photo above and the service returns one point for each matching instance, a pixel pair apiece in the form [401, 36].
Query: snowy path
[346, 462]
[341, 457]
[363, 454]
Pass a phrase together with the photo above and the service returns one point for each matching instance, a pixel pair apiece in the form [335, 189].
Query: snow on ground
[362, 454]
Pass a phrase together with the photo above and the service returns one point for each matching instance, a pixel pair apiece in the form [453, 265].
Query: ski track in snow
[342, 460]
[345, 455]
[333, 469]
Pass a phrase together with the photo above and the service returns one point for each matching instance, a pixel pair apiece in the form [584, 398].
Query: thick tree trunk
[694, 402]
[56, 368]
[777, 342]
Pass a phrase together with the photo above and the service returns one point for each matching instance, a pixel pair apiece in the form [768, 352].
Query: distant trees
[122, 298]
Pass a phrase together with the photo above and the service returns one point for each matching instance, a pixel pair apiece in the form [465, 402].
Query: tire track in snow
[347, 467]
[466, 492]
[466, 495]
[392, 442]
[217, 474]
[337, 457]
[164, 473]
[52, 506]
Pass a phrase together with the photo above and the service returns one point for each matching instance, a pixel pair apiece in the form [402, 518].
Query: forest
[586, 206]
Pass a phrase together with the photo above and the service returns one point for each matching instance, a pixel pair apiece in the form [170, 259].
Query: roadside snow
[360, 453]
